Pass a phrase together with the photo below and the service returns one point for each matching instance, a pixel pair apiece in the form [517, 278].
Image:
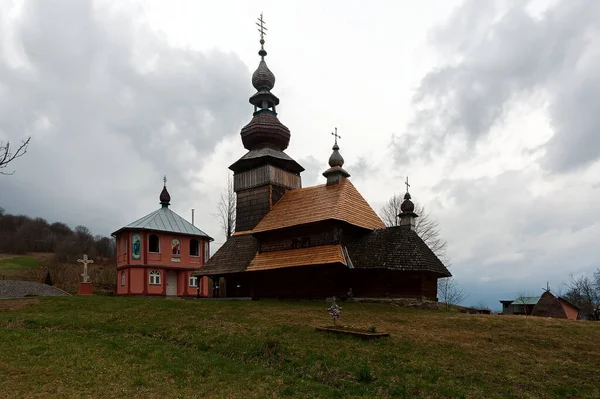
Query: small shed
[556, 307]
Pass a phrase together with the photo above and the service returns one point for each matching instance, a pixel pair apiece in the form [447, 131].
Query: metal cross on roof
[261, 27]
[85, 262]
[406, 183]
[164, 179]
[336, 135]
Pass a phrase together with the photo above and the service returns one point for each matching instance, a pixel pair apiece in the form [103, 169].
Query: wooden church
[311, 242]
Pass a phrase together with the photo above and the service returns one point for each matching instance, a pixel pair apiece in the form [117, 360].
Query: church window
[175, 247]
[154, 244]
[155, 277]
[206, 252]
[194, 248]
[122, 278]
[193, 281]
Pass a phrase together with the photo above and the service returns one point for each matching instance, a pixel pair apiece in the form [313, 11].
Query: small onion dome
[165, 198]
[263, 78]
[407, 205]
[336, 158]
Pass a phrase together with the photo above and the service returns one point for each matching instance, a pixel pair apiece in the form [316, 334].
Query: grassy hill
[109, 347]
[11, 265]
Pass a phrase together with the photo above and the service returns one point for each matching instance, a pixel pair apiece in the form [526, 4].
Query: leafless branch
[7, 156]
[449, 292]
[226, 209]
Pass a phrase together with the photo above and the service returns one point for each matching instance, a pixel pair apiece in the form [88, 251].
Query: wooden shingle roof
[232, 257]
[395, 248]
[321, 255]
[318, 203]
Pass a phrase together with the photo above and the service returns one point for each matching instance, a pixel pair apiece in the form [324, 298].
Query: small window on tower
[123, 278]
[194, 248]
[154, 244]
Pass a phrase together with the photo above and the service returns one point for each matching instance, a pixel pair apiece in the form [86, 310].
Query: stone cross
[336, 135]
[85, 262]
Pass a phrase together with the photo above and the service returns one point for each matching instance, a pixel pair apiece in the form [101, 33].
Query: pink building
[157, 253]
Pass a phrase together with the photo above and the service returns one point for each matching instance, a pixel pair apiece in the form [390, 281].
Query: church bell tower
[266, 172]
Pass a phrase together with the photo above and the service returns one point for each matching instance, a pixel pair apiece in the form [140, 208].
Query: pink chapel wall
[136, 280]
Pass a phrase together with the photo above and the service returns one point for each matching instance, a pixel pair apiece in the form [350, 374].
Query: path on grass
[21, 289]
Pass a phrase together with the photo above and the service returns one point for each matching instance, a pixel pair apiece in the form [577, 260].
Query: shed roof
[164, 219]
[320, 255]
[526, 300]
[233, 256]
[323, 202]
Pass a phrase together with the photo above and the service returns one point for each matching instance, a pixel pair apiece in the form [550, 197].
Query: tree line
[20, 234]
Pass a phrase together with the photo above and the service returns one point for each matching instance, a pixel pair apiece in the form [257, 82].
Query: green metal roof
[164, 219]
[526, 300]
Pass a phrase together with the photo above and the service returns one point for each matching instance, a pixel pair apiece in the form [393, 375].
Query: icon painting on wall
[175, 247]
[136, 246]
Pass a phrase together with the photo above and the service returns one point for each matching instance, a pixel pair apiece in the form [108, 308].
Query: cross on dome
[164, 179]
[336, 135]
[262, 29]
[406, 183]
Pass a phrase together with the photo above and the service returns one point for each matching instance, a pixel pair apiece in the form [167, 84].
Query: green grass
[107, 347]
[11, 265]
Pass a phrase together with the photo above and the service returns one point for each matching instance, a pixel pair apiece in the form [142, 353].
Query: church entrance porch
[171, 283]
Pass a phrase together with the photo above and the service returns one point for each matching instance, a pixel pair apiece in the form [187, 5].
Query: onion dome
[407, 205]
[335, 173]
[165, 197]
[264, 130]
[336, 158]
[263, 79]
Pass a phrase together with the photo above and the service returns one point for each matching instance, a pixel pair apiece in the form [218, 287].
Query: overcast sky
[491, 108]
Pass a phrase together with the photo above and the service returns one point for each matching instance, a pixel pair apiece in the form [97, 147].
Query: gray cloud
[111, 107]
[496, 61]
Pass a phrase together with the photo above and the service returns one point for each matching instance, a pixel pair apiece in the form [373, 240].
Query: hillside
[109, 347]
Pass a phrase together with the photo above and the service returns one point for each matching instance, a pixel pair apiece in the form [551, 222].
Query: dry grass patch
[129, 347]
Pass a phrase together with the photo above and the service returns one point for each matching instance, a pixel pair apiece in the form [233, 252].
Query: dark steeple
[335, 173]
[165, 198]
[407, 210]
[265, 172]
[264, 130]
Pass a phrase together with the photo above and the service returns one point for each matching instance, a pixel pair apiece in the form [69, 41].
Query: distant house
[546, 305]
[556, 307]
[522, 305]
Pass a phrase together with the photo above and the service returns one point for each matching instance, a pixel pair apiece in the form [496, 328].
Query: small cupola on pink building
[157, 253]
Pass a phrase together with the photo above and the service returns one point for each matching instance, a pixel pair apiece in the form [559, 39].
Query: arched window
[155, 277]
[154, 244]
[206, 251]
[123, 277]
[194, 247]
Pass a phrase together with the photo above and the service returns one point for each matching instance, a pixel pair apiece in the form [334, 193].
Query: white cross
[85, 262]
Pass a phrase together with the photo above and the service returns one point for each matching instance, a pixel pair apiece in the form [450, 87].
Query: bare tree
[226, 209]
[584, 291]
[425, 225]
[449, 292]
[524, 299]
[7, 155]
